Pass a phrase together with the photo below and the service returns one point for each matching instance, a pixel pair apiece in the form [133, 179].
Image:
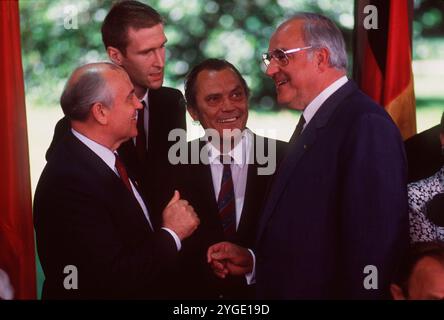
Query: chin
[155, 84]
[282, 100]
[297, 105]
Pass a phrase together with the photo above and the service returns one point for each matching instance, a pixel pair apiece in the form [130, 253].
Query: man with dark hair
[420, 275]
[335, 220]
[95, 235]
[134, 38]
[226, 186]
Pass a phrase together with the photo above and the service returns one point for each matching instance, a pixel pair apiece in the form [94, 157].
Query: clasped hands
[228, 258]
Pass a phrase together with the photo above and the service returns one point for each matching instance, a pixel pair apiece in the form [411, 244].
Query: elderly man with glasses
[335, 221]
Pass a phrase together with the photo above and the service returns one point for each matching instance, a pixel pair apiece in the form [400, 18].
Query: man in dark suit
[228, 196]
[134, 38]
[95, 234]
[335, 221]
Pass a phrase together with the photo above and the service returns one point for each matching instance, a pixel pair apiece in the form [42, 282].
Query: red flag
[17, 257]
[383, 59]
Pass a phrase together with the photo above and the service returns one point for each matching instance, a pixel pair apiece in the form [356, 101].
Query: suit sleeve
[373, 214]
[79, 231]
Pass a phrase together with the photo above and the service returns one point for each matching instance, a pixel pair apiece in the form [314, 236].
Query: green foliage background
[196, 29]
[237, 30]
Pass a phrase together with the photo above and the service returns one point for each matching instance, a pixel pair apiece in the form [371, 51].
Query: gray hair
[85, 87]
[321, 32]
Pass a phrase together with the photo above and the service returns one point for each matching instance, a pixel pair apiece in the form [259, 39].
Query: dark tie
[226, 202]
[121, 170]
[297, 132]
[141, 137]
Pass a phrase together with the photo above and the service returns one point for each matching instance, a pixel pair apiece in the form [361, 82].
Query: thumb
[175, 198]
[220, 255]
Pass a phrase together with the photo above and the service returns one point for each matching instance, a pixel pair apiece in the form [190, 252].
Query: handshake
[224, 257]
[227, 258]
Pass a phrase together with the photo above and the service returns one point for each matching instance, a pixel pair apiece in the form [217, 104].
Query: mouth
[281, 82]
[228, 120]
[156, 75]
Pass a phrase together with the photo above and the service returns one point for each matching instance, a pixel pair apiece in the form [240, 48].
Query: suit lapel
[301, 145]
[249, 198]
[207, 180]
[95, 164]
[251, 188]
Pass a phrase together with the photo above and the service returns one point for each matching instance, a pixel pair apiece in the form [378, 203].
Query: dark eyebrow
[151, 49]
[213, 95]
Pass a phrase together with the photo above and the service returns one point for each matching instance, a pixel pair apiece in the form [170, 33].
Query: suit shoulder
[358, 110]
[280, 146]
[363, 104]
[279, 143]
[169, 92]
[170, 99]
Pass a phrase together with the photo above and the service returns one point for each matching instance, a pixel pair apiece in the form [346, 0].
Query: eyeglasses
[280, 55]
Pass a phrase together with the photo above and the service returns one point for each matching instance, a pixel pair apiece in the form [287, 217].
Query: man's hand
[228, 258]
[180, 217]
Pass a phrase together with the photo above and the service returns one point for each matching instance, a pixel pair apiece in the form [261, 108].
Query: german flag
[383, 58]
[17, 253]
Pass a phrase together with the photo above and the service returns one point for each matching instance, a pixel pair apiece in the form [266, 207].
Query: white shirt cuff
[251, 277]
[175, 237]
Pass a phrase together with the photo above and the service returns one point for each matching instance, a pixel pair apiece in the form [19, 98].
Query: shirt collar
[101, 151]
[317, 102]
[238, 153]
[145, 98]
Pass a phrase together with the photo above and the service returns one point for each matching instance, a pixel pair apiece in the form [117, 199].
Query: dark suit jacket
[423, 152]
[86, 217]
[338, 203]
[195, 280]
[166, 112]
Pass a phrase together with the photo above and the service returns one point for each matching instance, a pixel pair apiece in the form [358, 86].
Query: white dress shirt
[239, 169]
[240, 154]
[109, 158]
[317, 102]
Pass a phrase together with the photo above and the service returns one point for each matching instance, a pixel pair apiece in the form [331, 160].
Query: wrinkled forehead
[288, 35]
[217, 79]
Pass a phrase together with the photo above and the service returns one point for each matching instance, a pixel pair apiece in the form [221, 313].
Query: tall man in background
[335, 221]
[134, 38]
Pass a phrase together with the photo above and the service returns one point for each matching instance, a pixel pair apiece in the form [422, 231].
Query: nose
[227, 105]
[272, 68]
[159, 55]
[137, 104]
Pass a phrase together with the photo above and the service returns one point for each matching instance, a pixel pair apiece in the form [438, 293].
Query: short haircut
[418, 251]
[82, 91]
[123, 16]
[321, 32]
[208, 64]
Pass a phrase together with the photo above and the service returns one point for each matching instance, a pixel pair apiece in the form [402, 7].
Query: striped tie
[226, 201]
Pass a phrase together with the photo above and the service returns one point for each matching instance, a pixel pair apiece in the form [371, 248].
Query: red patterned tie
[226, 202]
[121, 170]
